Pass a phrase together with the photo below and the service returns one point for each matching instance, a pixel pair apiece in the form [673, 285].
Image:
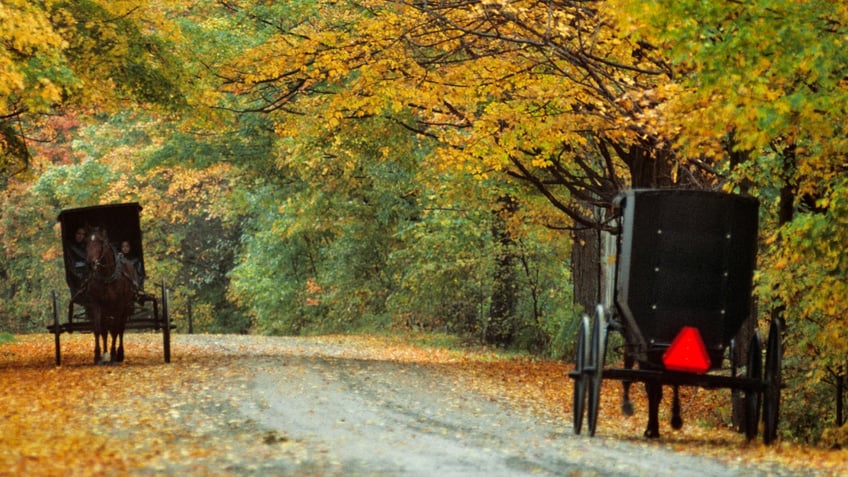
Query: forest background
[323, 166]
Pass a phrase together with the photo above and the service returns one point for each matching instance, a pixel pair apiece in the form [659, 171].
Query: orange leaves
[43, 429]
[80, 419]
[313, 292]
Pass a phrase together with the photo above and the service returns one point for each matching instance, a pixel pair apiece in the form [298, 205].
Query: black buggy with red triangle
[684, 265]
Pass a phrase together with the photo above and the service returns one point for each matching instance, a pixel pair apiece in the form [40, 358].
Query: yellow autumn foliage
[27, 33]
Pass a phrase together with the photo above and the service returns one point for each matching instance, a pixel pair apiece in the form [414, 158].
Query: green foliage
[330, 225]
[136, 60]
[33, 264]
[446, 270]
[271, 279]
[546, 304]
[807, 408]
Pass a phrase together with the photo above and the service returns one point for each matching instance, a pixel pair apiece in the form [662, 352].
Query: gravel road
[333, 410]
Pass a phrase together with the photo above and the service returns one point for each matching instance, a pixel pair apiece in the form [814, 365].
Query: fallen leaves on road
[74, 419]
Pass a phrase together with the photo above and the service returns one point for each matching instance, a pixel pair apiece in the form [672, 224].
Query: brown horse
[111, 289]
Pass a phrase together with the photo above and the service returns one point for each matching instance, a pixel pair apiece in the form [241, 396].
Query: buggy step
[76, 326]
[87, 327]
[706, 381]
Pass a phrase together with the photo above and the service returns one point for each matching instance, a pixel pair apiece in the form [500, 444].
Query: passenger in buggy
[126, 251]
[77, 265]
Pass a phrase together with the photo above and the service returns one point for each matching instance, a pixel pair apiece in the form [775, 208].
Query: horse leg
[100, 334]
[626, 403]
[112, 351]
[120, 355]
[96, 346]
[97, 325]
[104, 336]
[119, 333]
[676, 418]
[654, 391]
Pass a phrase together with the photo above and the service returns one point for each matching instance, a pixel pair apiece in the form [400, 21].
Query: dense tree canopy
[85, 56]
[547, 93]
[325, 165]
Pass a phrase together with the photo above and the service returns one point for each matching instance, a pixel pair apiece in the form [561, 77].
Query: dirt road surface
[333, 413]
[333, 406]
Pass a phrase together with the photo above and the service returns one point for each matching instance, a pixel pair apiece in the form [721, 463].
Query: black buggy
[683, 278]
[124, 230]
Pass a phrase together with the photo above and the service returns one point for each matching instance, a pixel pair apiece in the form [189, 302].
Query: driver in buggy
[77, 264]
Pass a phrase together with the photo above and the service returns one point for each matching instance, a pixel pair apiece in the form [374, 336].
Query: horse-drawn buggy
[683, 277]
[104, 269]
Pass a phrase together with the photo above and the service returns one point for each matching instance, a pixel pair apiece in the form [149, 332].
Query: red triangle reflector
[687, 353]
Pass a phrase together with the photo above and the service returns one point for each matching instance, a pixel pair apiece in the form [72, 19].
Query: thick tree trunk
[501, 326]
[645, 171]
[586, 268]
[749, 327]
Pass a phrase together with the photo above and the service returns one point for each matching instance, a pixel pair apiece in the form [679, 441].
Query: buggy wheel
[579, 397]
[597, 354]
[166, 322]
[753, 396]
[56, 330]
[773, 383]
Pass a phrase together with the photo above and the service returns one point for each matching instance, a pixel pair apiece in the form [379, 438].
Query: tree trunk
[840, 394]
[748, 329]
[586, 268]
[501, 326]
[649, 167]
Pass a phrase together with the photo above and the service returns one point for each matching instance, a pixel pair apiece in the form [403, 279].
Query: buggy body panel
[685, 258]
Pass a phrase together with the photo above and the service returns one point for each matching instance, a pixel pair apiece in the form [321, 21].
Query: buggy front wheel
[579, 397]
[596, 366]
[753, 396]
[773, 383]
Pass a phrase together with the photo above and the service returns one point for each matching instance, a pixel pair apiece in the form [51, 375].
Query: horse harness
[120, 260]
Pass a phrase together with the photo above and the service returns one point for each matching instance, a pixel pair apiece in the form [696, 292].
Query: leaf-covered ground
[145, 417]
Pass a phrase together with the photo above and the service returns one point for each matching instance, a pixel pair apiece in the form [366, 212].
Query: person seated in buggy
[126, 251]
[76, 259]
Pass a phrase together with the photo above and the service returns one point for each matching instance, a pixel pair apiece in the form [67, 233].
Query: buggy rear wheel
[597, 354]
[579, 395]
[753, 396]
[773, 383]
